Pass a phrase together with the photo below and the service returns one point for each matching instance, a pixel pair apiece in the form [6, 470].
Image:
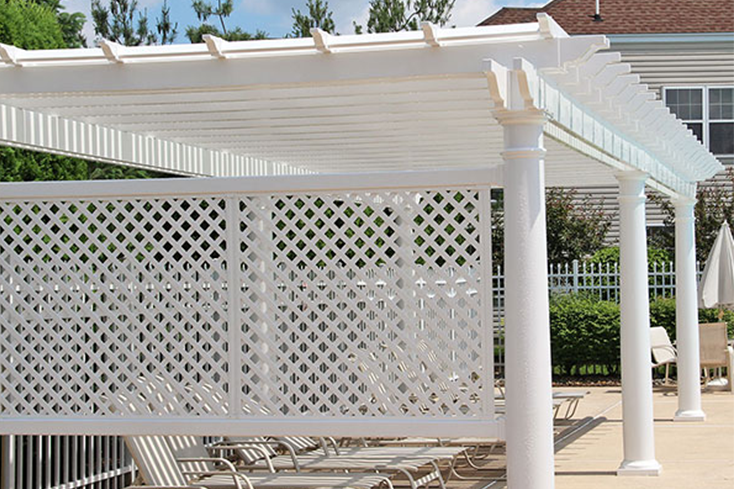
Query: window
[708, 112]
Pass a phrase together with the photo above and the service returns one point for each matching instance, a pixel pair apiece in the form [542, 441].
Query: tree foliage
[71, 23]
[318, 16]
[714, 205]
[221, 11]
[405, 15]
[123, 23]
[19, 165]
[575, 230]
[29, 25]
[167, 30]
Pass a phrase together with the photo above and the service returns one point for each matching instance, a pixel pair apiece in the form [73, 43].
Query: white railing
[598, 279]
[65, 462]
[301, 305]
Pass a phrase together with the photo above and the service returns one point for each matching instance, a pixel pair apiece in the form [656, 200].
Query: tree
[223, 9]
[574, 230]
[405, 15]
[20, 165]
[123, 23]
[318, 16]
[29, 25]
[166, 29]
[71, 23]
[714, 205]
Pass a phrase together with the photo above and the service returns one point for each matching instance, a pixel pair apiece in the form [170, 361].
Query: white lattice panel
[351, 305]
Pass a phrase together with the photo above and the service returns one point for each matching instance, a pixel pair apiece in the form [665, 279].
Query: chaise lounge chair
[175, 462]
[408, 462]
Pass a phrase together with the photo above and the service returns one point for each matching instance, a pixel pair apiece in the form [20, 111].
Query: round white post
[686, 323]
[529, 419]
[639, 438]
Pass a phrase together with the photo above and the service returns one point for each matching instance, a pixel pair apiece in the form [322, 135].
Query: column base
[642, 468]
[690, 415]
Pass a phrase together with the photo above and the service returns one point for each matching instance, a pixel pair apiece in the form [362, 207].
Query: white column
[529, 420]
[686, 322]
[639, 439]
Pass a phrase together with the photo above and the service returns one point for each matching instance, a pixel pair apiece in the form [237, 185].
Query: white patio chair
[715, 351]
[663, 352]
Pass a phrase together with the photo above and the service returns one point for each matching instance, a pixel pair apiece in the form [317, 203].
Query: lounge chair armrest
[238, 477]
[230, 466]
[332, 441]
[165, 487]
[245, 446]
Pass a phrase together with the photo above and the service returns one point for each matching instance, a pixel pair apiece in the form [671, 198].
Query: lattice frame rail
[359, 306]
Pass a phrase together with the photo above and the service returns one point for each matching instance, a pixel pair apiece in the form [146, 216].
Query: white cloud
[348, 12]
[469, 13]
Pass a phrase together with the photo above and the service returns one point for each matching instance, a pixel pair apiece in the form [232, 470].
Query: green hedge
[585, 330]
[662, 313]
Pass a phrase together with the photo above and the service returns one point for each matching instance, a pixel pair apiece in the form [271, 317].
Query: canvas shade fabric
[717, 283]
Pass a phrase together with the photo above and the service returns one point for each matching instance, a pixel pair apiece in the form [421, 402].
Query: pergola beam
[37, 131]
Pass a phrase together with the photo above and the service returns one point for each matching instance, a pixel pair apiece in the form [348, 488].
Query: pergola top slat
[373, 99]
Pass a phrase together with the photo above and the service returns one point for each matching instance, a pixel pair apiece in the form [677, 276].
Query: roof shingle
[628, 16]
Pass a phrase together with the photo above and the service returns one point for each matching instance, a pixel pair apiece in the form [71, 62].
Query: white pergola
[521, 106]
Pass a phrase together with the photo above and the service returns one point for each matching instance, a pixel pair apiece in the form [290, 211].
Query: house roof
[628, 16]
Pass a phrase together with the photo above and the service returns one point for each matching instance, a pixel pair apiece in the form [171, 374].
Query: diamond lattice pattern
[347, 305]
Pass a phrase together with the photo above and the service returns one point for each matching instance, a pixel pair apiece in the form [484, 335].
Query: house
[682, 49]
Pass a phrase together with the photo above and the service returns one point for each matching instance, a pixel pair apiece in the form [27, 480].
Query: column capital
[529, 116]
[522, 153]
[631, 186]
[682, 203]
[631, 176]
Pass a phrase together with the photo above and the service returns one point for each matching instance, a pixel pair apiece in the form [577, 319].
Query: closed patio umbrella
[717, 283]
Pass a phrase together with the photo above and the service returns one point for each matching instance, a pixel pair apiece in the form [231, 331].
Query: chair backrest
[713, 341]
[190, 447]
[250, 456]
[301, 443]
[155, 461]
[662, 348]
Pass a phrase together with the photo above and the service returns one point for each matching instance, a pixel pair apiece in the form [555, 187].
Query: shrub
[610, 255]
[584, 331]
[662, 313]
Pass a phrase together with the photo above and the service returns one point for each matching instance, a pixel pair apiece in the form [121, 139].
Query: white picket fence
[99, 462]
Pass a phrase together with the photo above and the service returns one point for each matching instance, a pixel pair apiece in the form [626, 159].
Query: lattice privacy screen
[358, 305]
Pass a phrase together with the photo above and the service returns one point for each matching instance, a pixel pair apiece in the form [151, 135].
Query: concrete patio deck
[589, 448]
[692, 454]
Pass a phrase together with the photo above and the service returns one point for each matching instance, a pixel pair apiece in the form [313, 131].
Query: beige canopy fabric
[717, 283]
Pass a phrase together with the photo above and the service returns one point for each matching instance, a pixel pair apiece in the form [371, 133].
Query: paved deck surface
[693, 455]
[589, 450]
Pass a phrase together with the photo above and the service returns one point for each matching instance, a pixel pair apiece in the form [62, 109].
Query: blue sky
[274, 16]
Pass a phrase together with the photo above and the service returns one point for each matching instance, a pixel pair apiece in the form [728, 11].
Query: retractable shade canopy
[412, 100]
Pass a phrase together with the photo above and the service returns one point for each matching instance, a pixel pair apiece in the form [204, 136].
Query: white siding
[680, 63]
